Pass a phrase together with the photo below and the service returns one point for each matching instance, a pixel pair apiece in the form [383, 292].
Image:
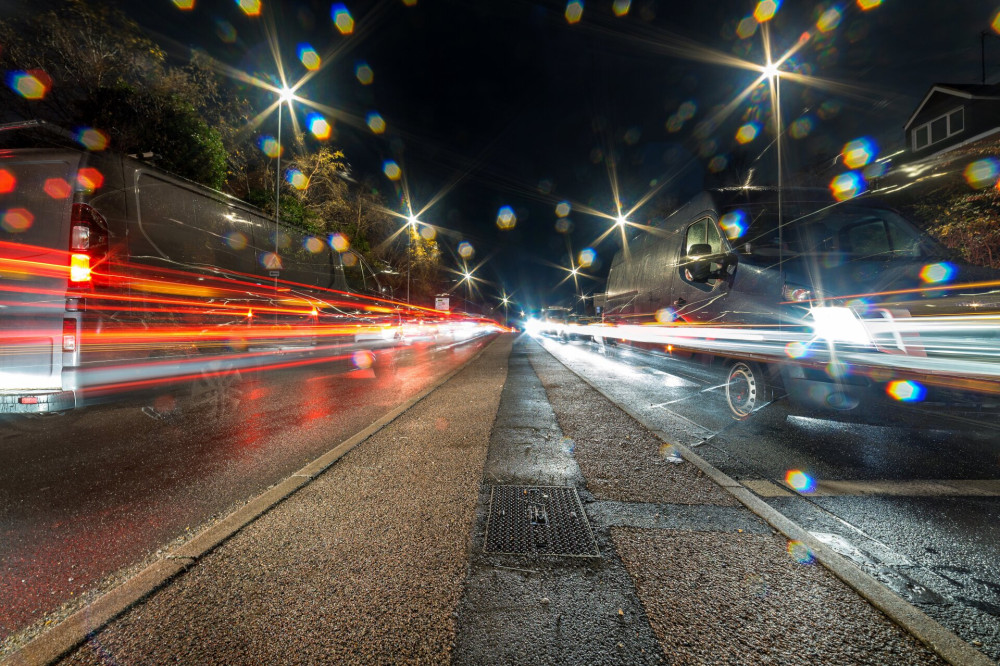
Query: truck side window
[703, 231]
[868, 239]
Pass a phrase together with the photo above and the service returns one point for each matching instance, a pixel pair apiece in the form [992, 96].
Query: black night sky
[507, 103]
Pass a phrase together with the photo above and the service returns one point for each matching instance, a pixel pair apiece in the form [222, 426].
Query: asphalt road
[917, 508]
[89, 496]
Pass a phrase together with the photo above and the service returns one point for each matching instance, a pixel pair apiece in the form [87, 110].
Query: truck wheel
[746, 389]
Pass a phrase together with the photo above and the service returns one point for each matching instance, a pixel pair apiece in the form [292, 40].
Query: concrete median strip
[942, 641]
[56, 642]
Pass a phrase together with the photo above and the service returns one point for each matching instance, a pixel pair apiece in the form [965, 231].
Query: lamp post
[411, 224]
[284, 96]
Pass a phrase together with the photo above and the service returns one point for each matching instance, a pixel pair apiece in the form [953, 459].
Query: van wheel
[746, 389]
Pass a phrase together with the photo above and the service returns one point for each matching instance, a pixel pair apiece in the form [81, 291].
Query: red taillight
[29, 400]
[88, 242]
[69, 335]
[79, 267]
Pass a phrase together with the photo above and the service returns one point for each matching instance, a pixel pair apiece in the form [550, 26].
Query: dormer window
[938, 129]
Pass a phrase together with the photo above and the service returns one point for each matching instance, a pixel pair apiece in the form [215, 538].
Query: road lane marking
[916, 488]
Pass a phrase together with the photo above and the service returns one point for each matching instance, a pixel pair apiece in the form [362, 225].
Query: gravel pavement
[381, 559]
[365, 565]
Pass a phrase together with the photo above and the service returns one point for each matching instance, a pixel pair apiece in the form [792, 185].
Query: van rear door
[36, 196]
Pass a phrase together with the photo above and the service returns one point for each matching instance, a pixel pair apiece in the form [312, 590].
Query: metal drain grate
[540, 520]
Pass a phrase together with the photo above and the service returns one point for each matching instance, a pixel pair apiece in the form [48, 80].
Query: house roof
[963, 90]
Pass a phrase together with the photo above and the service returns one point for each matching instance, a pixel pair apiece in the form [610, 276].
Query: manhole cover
[542, 520]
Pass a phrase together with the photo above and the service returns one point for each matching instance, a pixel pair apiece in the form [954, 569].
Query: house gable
[950, 115]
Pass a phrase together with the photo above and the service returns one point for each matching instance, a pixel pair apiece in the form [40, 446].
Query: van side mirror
[700, 268]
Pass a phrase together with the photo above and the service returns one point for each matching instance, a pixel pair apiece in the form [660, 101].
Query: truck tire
[747, 389]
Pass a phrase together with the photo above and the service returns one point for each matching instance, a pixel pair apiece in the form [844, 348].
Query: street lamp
[285, 95]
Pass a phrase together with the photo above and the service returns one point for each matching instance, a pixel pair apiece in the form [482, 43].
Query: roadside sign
[442, 303]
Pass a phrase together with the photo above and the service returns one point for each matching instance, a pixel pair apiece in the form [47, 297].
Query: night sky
[506, 103]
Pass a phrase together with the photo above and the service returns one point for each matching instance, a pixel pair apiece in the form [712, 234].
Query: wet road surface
[87, 497]
[917, 508]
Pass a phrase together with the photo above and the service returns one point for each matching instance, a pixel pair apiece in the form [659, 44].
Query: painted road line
[886, 488]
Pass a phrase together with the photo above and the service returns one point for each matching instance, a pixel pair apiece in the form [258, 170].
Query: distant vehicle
[723, 262]
[112, 271]
[553, 320]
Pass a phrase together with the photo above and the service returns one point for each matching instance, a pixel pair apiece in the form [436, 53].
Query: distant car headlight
[837, 324]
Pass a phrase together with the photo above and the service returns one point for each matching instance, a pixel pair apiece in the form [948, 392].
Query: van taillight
[69, 335]
[88, 241]
[79, 237]
[79, 267]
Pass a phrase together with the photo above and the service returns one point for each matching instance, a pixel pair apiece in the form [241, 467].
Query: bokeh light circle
[297, 179]
[574, 11]
[666, 315]
[319, 126]
[906, 391]
[859, 152]
[236, 240]
[364, 73]
[342, 18]
[89, 178]
[734, 223]
[375, 123]
[362, 359]
[936, 273]
[766, 9]
[830, 19]
[17, 220]
[391, 170]
[339, 242]
[587, 257]
[801, 127]
[800, 552]
[747, 133]
[747, 27]
[800, 481]
[92, 139]
[621, 7]
[7, 182]
[982, 173]
[249, 7]
[269, 146]
[847, 185]
[796, 349]
[308, 57]
[57, 188]
[32, 84]
[506, 219]
[465, 250]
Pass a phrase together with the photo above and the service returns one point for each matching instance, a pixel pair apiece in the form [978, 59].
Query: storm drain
[538, 520]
